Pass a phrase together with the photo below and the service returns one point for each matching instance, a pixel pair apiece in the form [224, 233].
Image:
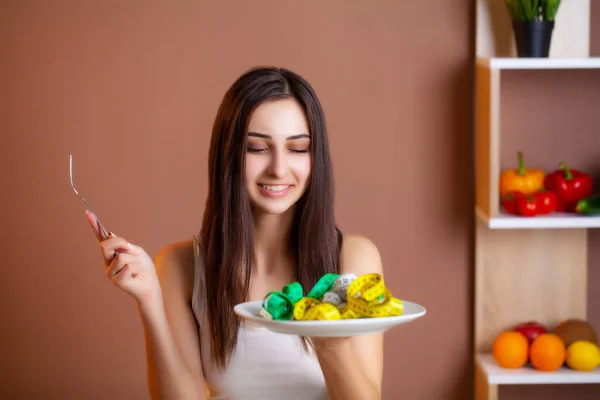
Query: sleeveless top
[264, 366]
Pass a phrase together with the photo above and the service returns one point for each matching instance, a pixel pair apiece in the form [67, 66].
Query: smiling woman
[268, 221]
[278, 161]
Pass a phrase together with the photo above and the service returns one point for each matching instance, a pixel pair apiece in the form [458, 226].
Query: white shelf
[527, 375]
[555, 220]
[539, 63]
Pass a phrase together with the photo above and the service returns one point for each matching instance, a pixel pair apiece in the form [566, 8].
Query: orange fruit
[511, 349]
[547, 352]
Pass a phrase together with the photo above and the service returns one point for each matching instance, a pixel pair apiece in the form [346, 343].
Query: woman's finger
[133, 249]
[94, 224]
[120, 261]
[126, 274]
[113, 246]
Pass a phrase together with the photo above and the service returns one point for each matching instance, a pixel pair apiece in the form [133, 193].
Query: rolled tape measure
[369, 287]
[278, 305]
[322, 311]
[322, 286]
[340, 285]
[333, 297]
[368, 297]
[302, 306]
[293, 291]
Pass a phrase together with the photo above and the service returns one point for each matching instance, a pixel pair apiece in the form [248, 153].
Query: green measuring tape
[280, 305]
[322, 286]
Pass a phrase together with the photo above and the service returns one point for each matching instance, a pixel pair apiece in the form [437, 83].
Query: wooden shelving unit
[557, 220]
[515, 254]
[504, 63]
[530, 376]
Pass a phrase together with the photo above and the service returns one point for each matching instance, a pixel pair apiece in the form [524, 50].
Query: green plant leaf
[519, 10]
[527, 8]
[549, 9]
[510, 5]
[530, 10]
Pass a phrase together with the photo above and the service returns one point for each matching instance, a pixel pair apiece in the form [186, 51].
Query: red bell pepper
[547, 201]
[570, 186]
[528, 206]
[509, 202]
[541, 202]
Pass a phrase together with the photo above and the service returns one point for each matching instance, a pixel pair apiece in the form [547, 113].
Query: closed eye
[255, 150]
[262, 150]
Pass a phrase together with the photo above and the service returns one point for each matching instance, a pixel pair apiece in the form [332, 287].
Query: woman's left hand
[353, 366]
[347, 372]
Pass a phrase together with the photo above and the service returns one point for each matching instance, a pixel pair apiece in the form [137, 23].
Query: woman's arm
[162, 291]
[172, 345]
[353, 367]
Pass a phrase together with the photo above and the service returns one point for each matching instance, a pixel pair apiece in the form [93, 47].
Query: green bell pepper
[589, 205]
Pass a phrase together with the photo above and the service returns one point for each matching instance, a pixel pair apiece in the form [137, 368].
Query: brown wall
[131, 89]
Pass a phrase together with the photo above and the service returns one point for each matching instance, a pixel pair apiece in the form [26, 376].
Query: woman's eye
[252, 149]
[256, 150]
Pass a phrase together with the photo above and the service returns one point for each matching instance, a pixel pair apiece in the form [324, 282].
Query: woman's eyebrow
[293, 137]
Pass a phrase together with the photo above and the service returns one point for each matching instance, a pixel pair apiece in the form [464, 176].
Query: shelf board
[527, 375]
[556, 220]
[539, 63]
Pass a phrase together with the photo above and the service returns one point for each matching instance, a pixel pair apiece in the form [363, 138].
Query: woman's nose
[279, 164]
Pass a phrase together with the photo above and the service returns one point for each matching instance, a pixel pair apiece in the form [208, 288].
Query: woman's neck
[272, 241]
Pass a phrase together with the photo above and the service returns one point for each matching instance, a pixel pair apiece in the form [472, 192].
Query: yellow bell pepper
[524, 180]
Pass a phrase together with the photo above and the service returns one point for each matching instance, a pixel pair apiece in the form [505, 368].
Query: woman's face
[278, 158]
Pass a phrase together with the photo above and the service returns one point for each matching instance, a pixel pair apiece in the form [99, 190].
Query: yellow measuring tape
[336, 297]
[368, 297]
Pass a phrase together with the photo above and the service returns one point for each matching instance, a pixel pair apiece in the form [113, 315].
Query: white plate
[250, 311]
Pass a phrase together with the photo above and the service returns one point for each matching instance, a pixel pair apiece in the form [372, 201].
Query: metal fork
[102, 230]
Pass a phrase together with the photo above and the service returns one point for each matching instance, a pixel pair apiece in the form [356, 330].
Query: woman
[268, 221]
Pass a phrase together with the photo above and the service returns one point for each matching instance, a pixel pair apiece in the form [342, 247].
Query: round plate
[250, 311]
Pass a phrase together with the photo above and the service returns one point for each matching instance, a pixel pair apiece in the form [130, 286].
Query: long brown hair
[226, 234]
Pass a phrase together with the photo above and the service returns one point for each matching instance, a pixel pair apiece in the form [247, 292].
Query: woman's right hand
[128, 266]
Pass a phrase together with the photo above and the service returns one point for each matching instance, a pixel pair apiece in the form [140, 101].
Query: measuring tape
[368, 296]
[333, 297]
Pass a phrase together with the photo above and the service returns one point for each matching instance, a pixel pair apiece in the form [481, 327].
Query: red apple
[531, 330]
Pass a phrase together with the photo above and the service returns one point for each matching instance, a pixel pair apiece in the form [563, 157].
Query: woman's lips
[274, 190]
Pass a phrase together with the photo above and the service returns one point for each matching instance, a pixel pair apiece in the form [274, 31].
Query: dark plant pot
[533, 37]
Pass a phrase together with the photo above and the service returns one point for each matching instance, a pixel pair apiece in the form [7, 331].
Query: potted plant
[533, 22]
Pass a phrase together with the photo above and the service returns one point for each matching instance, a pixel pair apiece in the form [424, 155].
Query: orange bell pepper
[524, 180]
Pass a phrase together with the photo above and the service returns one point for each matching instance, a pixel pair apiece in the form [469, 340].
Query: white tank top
[265, 365]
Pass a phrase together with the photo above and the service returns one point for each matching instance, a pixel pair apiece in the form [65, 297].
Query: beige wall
[131, 89]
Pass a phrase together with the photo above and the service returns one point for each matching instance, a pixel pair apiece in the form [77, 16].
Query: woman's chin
[272, 207]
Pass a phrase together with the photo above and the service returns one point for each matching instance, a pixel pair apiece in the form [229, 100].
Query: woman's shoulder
[359, 255]
[180, 254]
[175, 265]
